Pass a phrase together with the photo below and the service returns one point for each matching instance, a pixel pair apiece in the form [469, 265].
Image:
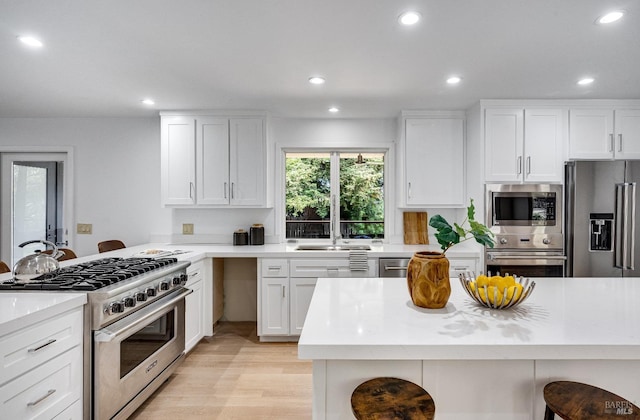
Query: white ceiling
[101, 57]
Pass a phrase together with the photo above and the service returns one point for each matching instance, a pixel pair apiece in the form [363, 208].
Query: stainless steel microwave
[524, 208]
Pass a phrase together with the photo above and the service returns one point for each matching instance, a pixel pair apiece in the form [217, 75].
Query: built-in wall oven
[526, 220]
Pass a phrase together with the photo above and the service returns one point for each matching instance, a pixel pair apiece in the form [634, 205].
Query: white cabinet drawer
[45, 392]
[195, 269]
[73, 412]
[460, 266]
[25, 349]
[329, 268]
[275, 268]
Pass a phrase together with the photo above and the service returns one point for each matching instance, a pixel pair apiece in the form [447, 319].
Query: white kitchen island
[475, 362]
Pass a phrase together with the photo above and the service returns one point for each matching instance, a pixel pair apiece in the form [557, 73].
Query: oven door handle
[526, 257]
[107, 335]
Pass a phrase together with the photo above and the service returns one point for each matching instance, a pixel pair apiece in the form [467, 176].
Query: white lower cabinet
[301, 292]
[459, 266]
[286, 287]
[41, 373]
[274, 313]
[194, 306]
[45, 392]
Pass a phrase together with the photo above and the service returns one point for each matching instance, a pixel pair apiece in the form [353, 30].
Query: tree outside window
[357, 185]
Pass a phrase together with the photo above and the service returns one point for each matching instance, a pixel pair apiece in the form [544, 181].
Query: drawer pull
[194, 274]
[35, 349]
[272, 268]
[44, 397]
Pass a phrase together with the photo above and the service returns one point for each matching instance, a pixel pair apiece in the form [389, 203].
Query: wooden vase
[428, 279]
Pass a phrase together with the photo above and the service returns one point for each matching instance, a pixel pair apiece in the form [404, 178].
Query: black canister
[257, 234]
[241, 237]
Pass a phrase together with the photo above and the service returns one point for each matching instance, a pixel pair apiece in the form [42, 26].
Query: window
[331, 194]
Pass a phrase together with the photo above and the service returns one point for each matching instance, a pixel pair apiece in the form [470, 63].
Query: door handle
[611, 146]
[225, 190]
[528, 165]
[619, 142]
[519, 164]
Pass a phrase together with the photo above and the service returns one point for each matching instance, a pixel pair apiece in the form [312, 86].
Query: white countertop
[18, 310]
[564, 318]
[468, 249]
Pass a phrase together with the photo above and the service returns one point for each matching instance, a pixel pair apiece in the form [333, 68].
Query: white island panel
[475, 362]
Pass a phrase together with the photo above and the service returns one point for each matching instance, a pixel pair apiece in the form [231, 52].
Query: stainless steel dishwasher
[393, 267]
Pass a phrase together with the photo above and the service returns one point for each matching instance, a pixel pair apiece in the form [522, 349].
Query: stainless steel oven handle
[391, 268]
[106, 335]
[526, 257]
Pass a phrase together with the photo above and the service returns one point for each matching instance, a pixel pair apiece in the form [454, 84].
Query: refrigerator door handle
[632, 233]
[625, 216]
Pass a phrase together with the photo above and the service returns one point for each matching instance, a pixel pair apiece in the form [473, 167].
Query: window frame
[389, 192]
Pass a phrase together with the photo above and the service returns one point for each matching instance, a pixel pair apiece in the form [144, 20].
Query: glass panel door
[32, 188]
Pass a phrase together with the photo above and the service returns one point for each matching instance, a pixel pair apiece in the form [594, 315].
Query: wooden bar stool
[68, 254]
[110, 245]
[4, 268]
[578, 401]
[390, 399]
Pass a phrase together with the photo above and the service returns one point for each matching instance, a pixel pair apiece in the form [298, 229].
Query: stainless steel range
[134, 326]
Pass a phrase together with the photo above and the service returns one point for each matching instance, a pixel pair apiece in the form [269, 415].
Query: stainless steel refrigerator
[600, 218]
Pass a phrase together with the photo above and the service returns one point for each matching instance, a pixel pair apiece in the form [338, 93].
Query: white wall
[117, 174]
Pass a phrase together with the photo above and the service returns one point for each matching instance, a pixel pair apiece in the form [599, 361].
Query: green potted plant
[447, 235]
[428, 272]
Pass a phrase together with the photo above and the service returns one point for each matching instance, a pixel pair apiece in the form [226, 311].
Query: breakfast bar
[477, 363]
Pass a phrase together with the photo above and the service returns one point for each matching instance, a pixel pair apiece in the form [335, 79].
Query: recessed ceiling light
[30, 41]
[454, 80]
[409, 18]
[611, 17]
[333, 109]
[316, 80]
[586, 81]
[148, 101]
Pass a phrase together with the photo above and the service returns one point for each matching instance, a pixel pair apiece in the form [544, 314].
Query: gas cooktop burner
[91, 275]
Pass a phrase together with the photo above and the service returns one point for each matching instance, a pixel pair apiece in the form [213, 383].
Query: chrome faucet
[335, 239]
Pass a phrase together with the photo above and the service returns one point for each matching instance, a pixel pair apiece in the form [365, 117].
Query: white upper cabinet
[433, 161]
[604, 134]
[178, 160]
[213, 161]
[247, 162]
[523, 145]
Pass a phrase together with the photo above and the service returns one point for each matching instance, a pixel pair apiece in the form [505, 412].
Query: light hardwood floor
[233, 376]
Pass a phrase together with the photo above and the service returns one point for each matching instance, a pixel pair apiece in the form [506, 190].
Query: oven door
[526, 264]
[130, 353]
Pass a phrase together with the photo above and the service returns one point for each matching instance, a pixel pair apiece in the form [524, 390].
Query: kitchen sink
[323, 247]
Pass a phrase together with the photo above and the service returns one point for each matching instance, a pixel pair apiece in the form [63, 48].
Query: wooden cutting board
[415, 228]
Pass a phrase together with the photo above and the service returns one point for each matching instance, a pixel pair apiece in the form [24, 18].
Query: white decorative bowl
[499, 299]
